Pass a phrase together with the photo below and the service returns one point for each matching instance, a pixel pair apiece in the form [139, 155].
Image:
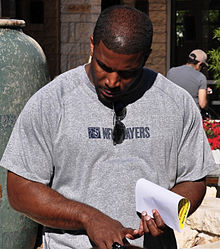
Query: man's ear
[199, 66]
[91, 46]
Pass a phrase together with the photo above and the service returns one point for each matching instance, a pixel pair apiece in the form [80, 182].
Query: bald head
[124, 30]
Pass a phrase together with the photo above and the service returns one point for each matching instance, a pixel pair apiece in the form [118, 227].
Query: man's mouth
[110, 94]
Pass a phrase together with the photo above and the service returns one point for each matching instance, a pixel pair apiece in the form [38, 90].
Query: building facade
[78, 20]
[63, 28]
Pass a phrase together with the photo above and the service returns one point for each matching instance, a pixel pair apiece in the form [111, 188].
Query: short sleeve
[29, 150]
[195, 159]
[203, 82]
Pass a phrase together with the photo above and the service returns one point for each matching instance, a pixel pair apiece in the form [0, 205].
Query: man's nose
[113, 80]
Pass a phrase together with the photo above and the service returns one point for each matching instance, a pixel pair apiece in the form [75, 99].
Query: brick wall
[77, 22]
[158, 14]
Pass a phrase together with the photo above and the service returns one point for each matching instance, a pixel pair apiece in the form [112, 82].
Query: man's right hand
[49, 208]
[104, 231]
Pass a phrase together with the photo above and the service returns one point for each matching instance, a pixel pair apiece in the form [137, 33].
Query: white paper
[151, 196]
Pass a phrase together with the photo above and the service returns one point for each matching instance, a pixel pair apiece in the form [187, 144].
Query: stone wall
[77, 22]
[77, 19]
[158, 14]
[202, 228]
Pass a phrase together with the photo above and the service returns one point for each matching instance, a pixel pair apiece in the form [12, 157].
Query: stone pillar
[158, 14]
[130, 3]
[77, 22]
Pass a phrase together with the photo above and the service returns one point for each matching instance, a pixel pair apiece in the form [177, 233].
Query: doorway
[141, 5]
[42, 24]
[192, 26]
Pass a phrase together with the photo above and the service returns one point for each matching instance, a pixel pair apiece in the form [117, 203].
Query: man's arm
[193, 191]
[202, 96]
[48, 207]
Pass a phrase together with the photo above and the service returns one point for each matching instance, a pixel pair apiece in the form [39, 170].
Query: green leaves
[214, 58]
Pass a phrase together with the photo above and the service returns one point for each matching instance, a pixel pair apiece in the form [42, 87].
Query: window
[37, 12]
[192, 27]
[107, 3]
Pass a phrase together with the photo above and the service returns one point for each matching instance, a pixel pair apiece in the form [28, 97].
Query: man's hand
[49, 208]
[154, 226]
[104, 231]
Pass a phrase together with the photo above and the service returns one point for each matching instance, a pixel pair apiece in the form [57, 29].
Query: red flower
[212, 130]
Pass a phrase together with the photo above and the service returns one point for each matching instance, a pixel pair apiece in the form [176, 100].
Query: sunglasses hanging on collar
[119, 130]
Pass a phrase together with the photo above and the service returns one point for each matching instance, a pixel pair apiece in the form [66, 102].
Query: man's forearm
[202, 96]
[45, 205]
[50, 208]
[193, 191]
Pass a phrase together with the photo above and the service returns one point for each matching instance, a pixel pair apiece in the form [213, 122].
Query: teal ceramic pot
[23, 70]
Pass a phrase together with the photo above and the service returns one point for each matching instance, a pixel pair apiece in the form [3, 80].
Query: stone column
[158, 15]
[77, 22]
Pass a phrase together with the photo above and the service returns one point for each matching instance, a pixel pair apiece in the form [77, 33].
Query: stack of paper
[172, 207]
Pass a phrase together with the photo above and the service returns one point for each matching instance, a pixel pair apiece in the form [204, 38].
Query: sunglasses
[119, 130]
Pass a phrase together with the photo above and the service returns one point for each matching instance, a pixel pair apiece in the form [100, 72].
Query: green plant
[214, 58]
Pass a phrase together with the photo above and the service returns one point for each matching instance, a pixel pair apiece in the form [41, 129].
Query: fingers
[104, 231]
[131, 234]
[120, 239]
[109, 244]
[105, 241]
[146, 220]
[154, 226]
[158, 220]
[136, 234]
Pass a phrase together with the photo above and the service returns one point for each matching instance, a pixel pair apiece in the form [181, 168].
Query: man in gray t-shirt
[82, 142]
[190, 78]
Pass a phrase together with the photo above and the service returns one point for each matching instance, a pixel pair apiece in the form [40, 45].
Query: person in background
[81, 143]
[190, 77]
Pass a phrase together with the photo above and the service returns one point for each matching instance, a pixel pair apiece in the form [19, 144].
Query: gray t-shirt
[188, 78]
[64, 131]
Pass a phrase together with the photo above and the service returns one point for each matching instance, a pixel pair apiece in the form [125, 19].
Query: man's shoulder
[202, 76]
[65, 82]
[166, 84]
[170, 90]
[59, 89]
[177, 69]
[71, 75]
[159, 81]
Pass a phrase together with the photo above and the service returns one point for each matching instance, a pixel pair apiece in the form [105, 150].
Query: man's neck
[196, 67]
